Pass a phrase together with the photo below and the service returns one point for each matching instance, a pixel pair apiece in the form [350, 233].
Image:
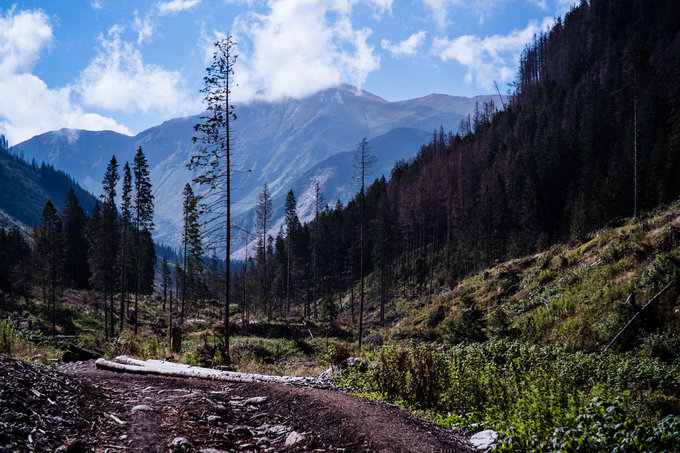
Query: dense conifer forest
[590, 134]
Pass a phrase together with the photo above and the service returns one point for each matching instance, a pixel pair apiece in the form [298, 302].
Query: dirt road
[118, 412]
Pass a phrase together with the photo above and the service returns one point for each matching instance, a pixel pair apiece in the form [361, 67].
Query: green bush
[191, 358]
[538, 398]
[8, 336]
[665, 346]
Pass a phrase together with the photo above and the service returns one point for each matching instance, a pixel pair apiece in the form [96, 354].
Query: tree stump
[176, 339]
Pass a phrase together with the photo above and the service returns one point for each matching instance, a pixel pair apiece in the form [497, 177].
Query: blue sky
[127, 65]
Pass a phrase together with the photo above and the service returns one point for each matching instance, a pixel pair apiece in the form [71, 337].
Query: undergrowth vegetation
[572, 349]
[539, 398]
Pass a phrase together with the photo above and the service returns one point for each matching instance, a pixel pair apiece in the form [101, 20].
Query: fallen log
[162, 368]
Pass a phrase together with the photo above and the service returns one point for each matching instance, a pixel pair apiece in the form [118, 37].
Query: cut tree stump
[162, 368]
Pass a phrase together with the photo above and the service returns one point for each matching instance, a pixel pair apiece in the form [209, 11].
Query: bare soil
[83, 409]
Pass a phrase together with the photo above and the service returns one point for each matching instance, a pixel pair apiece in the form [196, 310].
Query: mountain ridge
[277, 141]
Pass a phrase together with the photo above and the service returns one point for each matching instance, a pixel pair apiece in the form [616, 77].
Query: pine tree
[74, 224]
[16, 259]
[263, 217]
[214, 157]
[292, 230]
[109, 234]
[97, 255]
[50, 252]
[125, 218]
[143, 218]
[193, 249]
[318, 206]
[382, 248]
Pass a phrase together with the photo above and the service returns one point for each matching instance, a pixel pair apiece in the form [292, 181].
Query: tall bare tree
[213, 159]
[318, 207]
[363, 159]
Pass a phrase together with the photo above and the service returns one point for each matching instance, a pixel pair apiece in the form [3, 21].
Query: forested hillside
[24, 188]
[591, 133]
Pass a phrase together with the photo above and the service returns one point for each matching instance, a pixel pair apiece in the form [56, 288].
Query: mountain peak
[280, 141]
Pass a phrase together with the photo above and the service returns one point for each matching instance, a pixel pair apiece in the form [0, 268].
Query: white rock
[271, 429]
[142, 407]
[256, 400]
[294, 438]
[328, 374]
[484, 440]
[180, 443]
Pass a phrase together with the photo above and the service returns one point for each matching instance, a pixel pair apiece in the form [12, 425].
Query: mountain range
[289, 144]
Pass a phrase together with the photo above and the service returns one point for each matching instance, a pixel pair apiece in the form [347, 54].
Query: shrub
[340, 354]
[191, 358]
[538, 398]
[8, 336]
[665, 346]
[392, 371]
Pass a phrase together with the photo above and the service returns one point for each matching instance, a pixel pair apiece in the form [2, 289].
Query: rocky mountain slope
[280, 142]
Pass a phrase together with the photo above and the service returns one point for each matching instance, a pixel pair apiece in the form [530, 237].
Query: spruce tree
[97, 256]
[193, 249]
[74, 224]
[143, 220]
[292, 229]
[263, 217]
[125, 218]
[109, 232]
[50, 253]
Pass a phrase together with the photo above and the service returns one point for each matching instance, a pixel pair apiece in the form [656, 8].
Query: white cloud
[490, 58]
[383, 6]
[22, 36]
[175, 6]
[144, 27]
[27, 105]
[119, 80]
[300, 47]
[30, 108]
[440, 9]
[96, 5]
[408, 47]
[564, 6]
[540, 3]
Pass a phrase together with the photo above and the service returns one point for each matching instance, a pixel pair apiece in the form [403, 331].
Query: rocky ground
[80, 408]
